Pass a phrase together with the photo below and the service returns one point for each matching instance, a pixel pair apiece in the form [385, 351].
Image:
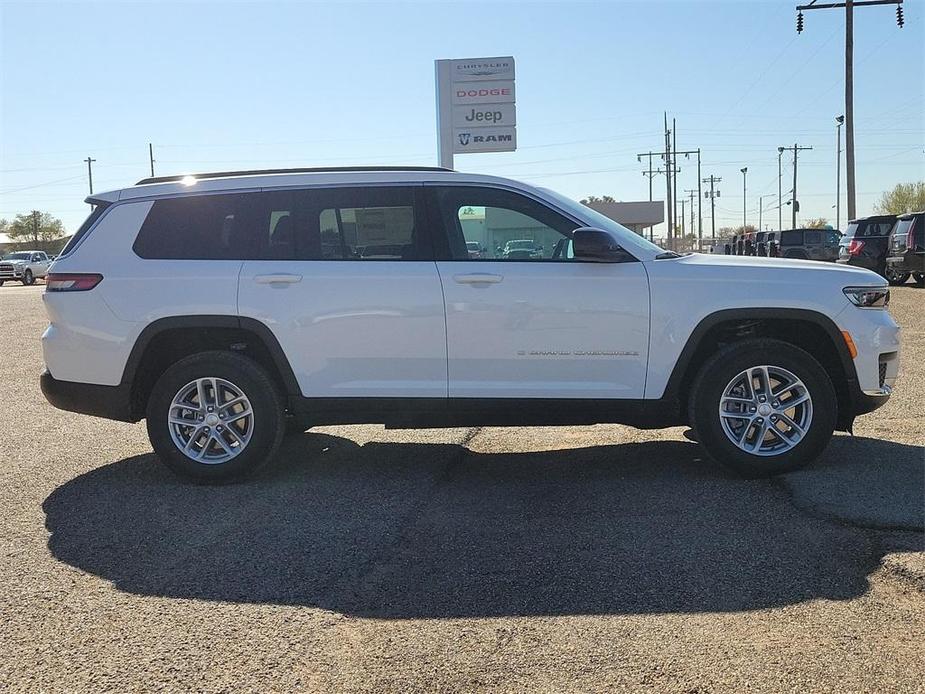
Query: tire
[895, 278]
[919, 278]
[258, 436]
[27, 278]
[779, 453]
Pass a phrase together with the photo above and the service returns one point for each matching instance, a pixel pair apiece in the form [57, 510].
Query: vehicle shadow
[412, 530]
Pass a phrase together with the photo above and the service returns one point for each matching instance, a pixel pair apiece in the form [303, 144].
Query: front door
[524, 318]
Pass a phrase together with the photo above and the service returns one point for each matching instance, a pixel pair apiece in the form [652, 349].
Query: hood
[740, 265]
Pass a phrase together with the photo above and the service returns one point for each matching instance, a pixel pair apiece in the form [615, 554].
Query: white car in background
[24, 266]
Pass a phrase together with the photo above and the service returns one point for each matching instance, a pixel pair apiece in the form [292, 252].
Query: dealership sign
[475, 107]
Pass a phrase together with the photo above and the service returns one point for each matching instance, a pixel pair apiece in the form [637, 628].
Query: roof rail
[257, 172]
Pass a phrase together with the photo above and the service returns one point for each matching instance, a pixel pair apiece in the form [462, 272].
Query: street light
[839, 121]
[744, 171]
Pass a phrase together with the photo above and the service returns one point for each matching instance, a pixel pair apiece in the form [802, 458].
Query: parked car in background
[907, 249]
[809, 244]
[866, 242]
[24, 266]
[475, 250]
[522, 249]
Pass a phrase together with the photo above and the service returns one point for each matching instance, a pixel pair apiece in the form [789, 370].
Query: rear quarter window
[791, 238]
[197, 227]
[95, 214]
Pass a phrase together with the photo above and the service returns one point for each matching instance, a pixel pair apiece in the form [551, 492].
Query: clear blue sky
[272, 84]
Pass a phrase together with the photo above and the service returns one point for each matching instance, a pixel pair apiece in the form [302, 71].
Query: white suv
[221, 307]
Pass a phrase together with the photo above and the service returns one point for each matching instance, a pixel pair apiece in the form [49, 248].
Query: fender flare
[252, 325]
[673, 387]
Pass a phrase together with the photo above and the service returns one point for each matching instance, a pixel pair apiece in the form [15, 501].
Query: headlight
[868, 297]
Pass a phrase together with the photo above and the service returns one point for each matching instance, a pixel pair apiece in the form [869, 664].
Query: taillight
[60, 282]
[855, 246]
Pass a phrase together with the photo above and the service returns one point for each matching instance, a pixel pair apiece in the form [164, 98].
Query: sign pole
[444, 113]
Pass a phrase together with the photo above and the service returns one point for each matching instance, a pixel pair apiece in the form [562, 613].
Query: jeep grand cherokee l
[219, 307]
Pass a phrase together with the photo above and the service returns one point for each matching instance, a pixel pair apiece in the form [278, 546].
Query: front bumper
[110, 402]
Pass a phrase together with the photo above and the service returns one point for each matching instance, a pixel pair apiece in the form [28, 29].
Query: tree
[591, 199]
[816, 223]
[905, 197]
[37, 227]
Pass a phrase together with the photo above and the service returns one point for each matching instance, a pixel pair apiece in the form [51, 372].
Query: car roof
[293, 178]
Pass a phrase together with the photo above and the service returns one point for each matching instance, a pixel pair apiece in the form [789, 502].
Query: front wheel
[215, 416]
[27, 278]
[919, 278]
[895, 278]
[763, 407]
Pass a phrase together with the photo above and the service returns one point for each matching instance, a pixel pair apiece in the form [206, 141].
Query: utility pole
[712, 195]
[760, 209]
[796, 149]
[151, 157]
[90, 172]
[699, 205]
[692, 193]
[744, 171]
[780, 195]
[35, 225]
[683, 202]
[849, 6]
[669, 210]
[650, 174]
[839, 120]
[674, 161]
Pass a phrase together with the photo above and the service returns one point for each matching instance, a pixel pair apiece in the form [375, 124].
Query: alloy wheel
[211, 420]
[766, 410]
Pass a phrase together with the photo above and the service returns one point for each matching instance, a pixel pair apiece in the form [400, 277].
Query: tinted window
[503, 225]
[812, 238]
[361, 224]
[201, 227]
[791, 238]
[869, 229]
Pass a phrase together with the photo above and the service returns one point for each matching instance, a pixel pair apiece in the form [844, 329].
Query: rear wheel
[894, 277]
[919, 278]
[215, 416]
[763, 407]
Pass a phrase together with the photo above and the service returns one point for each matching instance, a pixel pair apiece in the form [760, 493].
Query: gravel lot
[559, 559]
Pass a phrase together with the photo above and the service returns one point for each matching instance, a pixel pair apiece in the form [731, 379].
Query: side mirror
[598, 246]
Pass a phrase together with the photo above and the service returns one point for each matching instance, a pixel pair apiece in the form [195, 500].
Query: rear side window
[812, 238]
[95, 214]
[361, 224]
[198, 227]
[791, 238]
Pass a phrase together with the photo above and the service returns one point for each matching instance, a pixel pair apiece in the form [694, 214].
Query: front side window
[491, 224]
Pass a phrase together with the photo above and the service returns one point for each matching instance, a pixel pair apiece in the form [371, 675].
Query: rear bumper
[110, 402]
[907, 262]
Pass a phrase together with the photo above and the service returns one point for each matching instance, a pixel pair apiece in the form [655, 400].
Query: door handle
[279, 278]
[478, 278]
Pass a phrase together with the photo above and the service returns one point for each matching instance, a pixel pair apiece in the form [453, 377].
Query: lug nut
[220, 428]
[210, 408]
[206, 430]
[750, 409]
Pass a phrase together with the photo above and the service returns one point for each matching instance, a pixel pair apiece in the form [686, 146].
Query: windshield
[17, 256]
[595, 219]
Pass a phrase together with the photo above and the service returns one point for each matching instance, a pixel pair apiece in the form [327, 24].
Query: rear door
[345, 279]
[543, 326]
